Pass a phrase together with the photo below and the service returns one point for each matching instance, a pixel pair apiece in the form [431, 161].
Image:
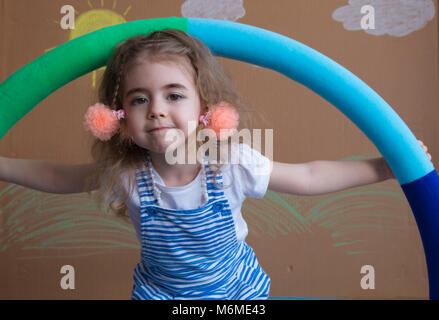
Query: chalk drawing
[93, 20]
[396, 18]
[41, 225]
[343, 216]
[223, 10]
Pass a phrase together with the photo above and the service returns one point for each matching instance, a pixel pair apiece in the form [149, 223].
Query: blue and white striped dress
[194, 254]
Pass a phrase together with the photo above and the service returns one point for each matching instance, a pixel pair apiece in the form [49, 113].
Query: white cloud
[213, 9]
[393, 17]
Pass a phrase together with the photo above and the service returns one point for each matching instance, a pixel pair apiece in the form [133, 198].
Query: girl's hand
[389, 170]
[425, 148]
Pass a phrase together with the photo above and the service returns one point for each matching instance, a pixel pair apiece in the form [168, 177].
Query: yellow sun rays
[92, 20]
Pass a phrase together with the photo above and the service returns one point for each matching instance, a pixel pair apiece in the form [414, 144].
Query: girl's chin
[166, 147]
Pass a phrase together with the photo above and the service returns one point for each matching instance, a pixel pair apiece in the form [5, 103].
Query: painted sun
[95, 19]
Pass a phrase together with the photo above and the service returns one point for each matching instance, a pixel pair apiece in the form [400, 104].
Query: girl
[189, 225]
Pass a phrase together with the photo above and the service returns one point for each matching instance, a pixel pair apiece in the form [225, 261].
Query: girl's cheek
[131, 127]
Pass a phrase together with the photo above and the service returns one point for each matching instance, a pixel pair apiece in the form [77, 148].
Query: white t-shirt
[248, 178]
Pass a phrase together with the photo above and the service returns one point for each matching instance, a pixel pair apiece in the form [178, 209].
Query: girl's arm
[321, 177]
[47, 176]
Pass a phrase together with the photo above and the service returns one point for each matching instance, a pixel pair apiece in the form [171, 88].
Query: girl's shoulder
[250, 169]
[127, 181]
[250, 159]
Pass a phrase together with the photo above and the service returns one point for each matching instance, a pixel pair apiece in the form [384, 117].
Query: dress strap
[146, 187]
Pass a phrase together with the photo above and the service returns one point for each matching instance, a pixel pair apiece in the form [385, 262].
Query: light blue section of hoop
[354, 98]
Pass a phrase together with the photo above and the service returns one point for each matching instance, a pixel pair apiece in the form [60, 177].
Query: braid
[125, 143]
[116, 90]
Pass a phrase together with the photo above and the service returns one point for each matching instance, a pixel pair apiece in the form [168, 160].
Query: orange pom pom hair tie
[222, 118]
[102, 121]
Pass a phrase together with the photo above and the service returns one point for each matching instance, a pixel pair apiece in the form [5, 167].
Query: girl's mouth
[158, 129]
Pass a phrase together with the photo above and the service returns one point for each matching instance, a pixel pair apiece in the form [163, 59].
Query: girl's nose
[155, 115]
[156, 110]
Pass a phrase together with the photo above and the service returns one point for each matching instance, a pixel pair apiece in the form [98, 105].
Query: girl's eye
[175, 96]
[172, 97]
[140, 100]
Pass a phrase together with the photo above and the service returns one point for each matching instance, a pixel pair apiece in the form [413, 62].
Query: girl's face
[160, 94]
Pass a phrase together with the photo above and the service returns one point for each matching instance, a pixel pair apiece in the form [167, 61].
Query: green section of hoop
[31, 84]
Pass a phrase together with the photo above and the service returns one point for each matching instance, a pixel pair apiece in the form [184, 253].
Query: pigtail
[125, 142]
[116, 89]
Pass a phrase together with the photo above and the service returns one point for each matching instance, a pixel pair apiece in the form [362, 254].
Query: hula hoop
[28, 86]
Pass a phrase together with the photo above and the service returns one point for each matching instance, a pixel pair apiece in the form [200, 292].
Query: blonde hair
[120, 154]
